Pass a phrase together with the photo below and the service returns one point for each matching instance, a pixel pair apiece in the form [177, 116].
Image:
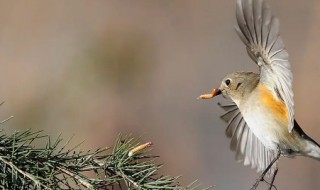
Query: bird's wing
[247, 146]
[259, 31]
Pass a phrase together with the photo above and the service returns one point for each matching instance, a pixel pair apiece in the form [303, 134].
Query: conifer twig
[128, 164]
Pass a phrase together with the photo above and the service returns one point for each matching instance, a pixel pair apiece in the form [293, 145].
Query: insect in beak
[215, 92]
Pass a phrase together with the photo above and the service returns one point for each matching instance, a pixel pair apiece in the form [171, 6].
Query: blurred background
[94, 69]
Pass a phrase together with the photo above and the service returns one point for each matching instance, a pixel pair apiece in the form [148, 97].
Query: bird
[260, 119]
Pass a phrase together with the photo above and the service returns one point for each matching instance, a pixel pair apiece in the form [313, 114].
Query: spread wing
[259, 31]
[247, 146]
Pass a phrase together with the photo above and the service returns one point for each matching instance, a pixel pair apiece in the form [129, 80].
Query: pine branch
[126, 165]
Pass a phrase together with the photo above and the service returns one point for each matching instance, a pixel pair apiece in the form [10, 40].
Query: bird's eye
[228, 81]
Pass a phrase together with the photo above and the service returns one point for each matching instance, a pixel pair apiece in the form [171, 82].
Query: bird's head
[235, 85]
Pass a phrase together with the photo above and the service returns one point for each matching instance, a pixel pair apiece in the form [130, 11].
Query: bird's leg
[261, 177]
[273, 178]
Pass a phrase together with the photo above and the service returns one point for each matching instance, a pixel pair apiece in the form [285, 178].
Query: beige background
[97, 68]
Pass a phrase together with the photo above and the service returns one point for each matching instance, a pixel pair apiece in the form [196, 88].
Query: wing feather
[257, 15]
[248, 148]
[259, 31]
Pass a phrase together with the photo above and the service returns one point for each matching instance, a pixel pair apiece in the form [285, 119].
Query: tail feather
[313, 148]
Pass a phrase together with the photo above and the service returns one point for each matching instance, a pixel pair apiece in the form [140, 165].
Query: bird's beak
[215, 92]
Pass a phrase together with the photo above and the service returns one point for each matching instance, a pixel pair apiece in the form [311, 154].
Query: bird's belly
[267, 117]
[264, 126]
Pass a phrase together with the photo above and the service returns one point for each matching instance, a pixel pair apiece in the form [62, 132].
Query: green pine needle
[23, 166]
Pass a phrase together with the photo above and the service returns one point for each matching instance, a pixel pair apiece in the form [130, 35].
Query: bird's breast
[267, 116]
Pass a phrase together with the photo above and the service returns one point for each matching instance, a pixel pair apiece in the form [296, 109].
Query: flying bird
[260, 121]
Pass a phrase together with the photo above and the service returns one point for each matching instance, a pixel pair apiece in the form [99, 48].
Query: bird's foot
[256, 184]
[261, 177]
[272, 180]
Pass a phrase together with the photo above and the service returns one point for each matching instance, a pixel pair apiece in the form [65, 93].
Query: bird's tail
[313, 149]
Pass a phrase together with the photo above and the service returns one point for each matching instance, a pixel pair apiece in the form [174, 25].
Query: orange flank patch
[276, 106]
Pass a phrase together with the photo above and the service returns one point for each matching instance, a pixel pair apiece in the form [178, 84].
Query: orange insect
[139, 148]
